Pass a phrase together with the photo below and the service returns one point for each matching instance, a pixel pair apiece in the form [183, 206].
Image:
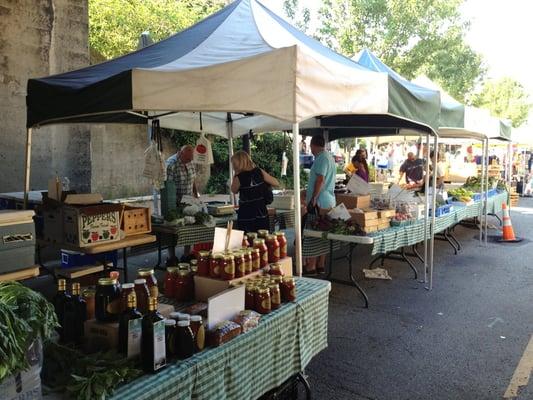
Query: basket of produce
[462, 195]
[402, 218]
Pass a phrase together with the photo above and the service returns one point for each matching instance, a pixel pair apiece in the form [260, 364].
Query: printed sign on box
[87, 226]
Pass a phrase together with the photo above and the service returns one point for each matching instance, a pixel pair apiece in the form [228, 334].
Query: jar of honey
[151, 281]
[262, 301]
[203, 263]
[227, 267]
[282, 240]
[275, 296]
[263, 250]
[214, 265]
[256, 259]
[288, 289]
[273, 248]
[239, 264]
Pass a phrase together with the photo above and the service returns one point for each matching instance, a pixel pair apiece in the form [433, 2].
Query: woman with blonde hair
[251, 184]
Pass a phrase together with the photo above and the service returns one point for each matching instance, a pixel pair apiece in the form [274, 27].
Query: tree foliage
[115, 25]
[505, 98]
[413, 37]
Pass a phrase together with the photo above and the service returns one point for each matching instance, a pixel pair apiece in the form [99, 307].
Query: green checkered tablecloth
[395, 238]
[253, 363]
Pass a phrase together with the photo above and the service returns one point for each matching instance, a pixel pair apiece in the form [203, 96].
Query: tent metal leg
[27, 171]
[297, 204]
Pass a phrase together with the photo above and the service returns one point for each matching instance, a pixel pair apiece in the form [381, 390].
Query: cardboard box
[100, 336]
[351, 201]
[384, 223]
[136, 220]
[369, 229]
[205, 287]
[26, 385]
[17, 240]
[90, 225]
[366, 219]
[387, 213]
[52, 224]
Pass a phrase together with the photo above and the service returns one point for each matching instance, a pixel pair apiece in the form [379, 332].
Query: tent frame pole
[433, 207]
[482, 184]
[27, 171]
[486, 217]
[297, 203]
[426, 205]
[229, 131]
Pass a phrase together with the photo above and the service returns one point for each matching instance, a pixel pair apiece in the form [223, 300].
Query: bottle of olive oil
[59, 301]
[130, 329]
[75, 316]
[153, 351]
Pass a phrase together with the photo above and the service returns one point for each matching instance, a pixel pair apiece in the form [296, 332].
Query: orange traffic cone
[508, 232]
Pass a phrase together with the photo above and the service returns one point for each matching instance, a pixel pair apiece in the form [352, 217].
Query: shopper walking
[251, 183]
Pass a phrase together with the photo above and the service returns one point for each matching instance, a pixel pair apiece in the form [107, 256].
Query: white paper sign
[219, 241]
[358, 186]
[339, 212]
[224, 305]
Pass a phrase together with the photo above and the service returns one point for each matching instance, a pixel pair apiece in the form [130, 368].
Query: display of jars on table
[107, 300]
[203, 263]
[151, 281]
[272, 245]
[282, 240]
[263, 252]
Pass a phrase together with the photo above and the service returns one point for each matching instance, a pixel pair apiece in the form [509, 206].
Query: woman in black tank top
[250, 182]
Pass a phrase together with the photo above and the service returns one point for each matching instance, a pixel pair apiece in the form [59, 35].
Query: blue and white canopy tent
[243, 68]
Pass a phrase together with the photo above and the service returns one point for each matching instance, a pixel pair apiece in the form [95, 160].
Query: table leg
[452, 237]
[125, 263]
[497, 217]
[416, 253]
[404, 256]
[359, 288]
[301, 377]
[330, 261]
[159, 250]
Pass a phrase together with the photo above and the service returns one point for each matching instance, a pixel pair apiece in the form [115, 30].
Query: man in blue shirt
[320, 191]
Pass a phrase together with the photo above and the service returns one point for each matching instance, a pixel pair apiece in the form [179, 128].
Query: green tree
[413, 37]
[115, 25]
[505, 98]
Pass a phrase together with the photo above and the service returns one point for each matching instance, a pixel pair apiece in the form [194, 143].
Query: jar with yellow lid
[107, 302]
[227, 267]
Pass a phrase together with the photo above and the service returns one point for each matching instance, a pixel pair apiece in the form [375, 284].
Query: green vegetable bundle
[24, 316]
[81, 376]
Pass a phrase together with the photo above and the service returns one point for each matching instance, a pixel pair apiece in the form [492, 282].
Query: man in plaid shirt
[181, 170]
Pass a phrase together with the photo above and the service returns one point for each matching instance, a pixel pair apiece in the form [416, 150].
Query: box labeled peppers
[89, 225]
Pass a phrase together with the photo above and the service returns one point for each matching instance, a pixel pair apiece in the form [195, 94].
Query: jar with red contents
[214, 265]
[262, 301]
[203, 263]
[251, 237]
[239, 264]
[227, 267]
[170, 281]
[263, 250]
[245, 241]
[262, 233]
[183, 291]
[256, 259]
[193, 266]
[247, 255]
[288, 289]
[282, 240]
[275, 296]
[273, 248]
[275, 269]
[249, 297]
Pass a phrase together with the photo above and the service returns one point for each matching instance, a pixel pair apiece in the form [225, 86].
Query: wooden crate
[136, 220]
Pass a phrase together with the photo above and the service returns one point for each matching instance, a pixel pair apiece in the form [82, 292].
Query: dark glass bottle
[75, 316]
[185, 340]
[130, 329]
[59, 301]
[153, 351]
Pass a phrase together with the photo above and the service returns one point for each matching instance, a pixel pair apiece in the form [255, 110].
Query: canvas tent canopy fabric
[244, 60]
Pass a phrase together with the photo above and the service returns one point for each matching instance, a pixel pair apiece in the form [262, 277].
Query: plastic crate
[493, 192]
[72, 259]
[476, 197]
[401, 223]
[442, 210]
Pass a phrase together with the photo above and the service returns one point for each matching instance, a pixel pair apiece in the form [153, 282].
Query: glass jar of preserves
[193, 266]
[203, 263]
[263, 251]
[256, 259]
[247, 256]
[183, 290]
[170, 281]
[198, 331]
[214, 265]
[170, 337]
[89, 296]
[262, 301]
[184, 267]
[244, 241]
[262, 233]
[240, 267]
[107, 300]
[143, 295]
[275, 270]
[249, 297]
[251, 237]
[288, 289]
[127, 289]
[227, 267]
[151, 281]
[273, 248]
[276, 279]
[275, 296]
[282, 240]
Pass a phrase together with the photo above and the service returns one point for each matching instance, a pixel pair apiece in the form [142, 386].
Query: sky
[501, 30]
